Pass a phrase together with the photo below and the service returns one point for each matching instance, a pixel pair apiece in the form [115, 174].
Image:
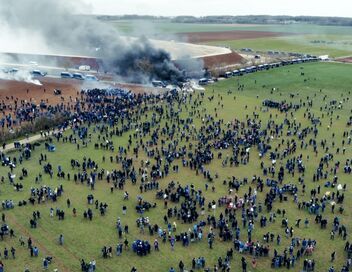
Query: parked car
[10, 70]
[228, 74]
[203, 81]
[66, 75]
[78, 76]
[38, 73]
[91, 78]
[158, 84]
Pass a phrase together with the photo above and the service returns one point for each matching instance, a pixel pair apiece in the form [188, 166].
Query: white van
[66, 75]
[91, 78]
[78, 76]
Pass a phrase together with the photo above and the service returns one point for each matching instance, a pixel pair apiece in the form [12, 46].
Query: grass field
[334, 46]
[337, 39]
[84, 239]
[167, 26]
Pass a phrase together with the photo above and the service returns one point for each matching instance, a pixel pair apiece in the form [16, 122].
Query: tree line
[266, 19]
[248, 19]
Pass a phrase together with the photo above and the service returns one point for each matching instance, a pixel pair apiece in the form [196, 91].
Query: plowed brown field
[201, 37]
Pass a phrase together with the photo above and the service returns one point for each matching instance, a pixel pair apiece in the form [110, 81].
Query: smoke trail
[24, 76]
[20, 75]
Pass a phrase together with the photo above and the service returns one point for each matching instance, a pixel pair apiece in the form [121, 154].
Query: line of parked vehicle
[260, 67]
[39, 73]
[79, 76]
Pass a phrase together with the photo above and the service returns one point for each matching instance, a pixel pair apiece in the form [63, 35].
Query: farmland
[301, 38]
[300, 44]
[165, 26]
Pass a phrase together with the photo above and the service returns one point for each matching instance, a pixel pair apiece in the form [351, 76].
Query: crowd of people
[175, 133]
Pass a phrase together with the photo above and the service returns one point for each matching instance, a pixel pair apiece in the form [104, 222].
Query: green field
[166, 26]
[337, 40]
[83, 239]
[334, 46]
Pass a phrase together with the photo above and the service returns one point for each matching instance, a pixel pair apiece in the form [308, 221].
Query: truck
[84, 68]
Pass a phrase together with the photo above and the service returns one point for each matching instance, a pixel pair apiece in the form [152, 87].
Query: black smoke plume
[54, 27]
[143, 63]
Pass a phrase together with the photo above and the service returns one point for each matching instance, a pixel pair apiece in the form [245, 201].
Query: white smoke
[21, 40]
[20, 75]
[54, 27]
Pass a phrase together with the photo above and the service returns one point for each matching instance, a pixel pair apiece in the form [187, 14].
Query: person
[35, 251]
[172, 243]
[172, 269]
[156, 245]
[254, 263]
[119, 249]
[210, 241]
[181, 266]
[332, 235]
[126, 244]
[298, 221]
[306, 222]
[1, 267]
[13, 252]
[278, 239]
[61, 239]
[244, 264]
[333, 256]
[21, 240]
[45, 264]
[134, 269]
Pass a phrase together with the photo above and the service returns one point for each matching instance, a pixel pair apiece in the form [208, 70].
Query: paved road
[31, 139]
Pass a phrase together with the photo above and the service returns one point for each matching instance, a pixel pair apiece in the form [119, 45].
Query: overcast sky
[220, 7]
